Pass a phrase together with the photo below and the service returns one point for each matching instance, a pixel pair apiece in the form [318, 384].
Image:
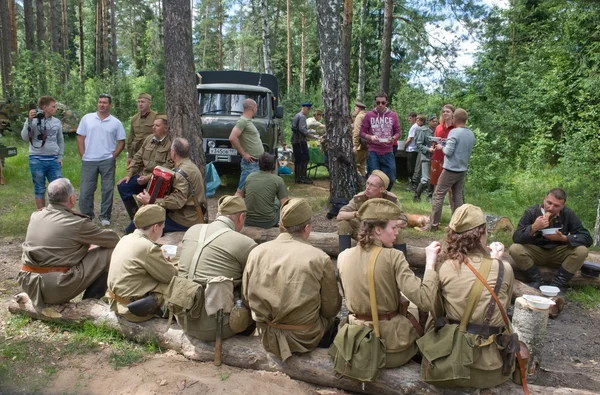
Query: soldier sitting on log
[349, 224]
[213, 250]
[291, 287]
[566, 249]
[64, 253]
[138, 267]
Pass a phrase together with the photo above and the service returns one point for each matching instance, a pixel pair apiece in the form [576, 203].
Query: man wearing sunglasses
[100, 139]
[381, 129]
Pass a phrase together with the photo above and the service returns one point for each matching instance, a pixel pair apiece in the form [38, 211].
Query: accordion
[160, 183]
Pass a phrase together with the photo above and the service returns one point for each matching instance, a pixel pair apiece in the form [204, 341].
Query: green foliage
[588, 296]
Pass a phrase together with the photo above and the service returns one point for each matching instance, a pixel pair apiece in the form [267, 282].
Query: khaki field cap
[145, 96]
[161, 116]
[466, 217]
[149, 214]
[231, 205]
[379, 209]
[295, 212]
[384, 178]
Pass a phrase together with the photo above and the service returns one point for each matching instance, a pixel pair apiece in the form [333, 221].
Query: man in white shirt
[100, 139]
[410, 146]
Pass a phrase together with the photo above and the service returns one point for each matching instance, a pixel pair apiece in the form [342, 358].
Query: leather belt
[118, 298]
[291, 327]
[382, 316]
[481, 330]
[45, 269]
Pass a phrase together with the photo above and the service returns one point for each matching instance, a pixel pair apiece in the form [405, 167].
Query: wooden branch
[248, 353]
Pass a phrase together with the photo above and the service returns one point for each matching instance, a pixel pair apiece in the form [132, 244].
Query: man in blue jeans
[245, 139]
[100, 139]
[381, 129]
[46, 146]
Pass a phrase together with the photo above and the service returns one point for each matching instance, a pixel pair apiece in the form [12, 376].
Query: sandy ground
[571, 356]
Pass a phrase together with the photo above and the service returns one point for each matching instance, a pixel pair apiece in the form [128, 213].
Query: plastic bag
[213, 181]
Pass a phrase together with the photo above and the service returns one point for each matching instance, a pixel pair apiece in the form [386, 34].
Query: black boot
[418, 192]
[298, 173]
[430, 191]
[401, 247]
[143, 307]
[345, 242]
[534, 276]
[562, 278]
[98, 288]
[131, 207]
[305, 176]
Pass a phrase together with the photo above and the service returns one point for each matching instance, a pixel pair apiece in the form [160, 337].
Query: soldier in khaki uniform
[155, 151]
[291, 288]
[360, 150]
[180, 206]
[392, 277]
[466, 240]
[64, 253]
[138, 266]
[224, 254]
[349, 224]
[141, 126]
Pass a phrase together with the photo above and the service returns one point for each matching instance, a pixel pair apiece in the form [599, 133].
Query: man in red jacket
[381, 129]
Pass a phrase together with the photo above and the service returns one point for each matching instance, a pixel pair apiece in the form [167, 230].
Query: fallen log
[248, 353]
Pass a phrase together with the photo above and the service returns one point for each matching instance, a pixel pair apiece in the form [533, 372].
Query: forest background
[532, 92]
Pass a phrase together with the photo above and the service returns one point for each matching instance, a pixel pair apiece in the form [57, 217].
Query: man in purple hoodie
[381, 129]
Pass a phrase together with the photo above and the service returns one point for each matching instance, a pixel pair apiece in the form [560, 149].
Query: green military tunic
[152, 153]
[137, 267]
[361, 154]
[392, 277]
[58, 236]
[141, 127]
[288, 281]
[454, 287]
[225, 256]
[351, 227]
[180, 203]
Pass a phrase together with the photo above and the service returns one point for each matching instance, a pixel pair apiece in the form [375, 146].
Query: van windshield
[230, 103]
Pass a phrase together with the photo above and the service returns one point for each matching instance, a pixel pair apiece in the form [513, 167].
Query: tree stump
[530, 323]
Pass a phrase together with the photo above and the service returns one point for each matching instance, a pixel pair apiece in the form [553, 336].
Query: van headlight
[211, 144]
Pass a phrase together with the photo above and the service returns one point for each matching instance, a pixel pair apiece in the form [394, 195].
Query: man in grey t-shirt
[457, 153]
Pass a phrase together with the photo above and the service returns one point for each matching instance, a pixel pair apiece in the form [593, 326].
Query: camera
[40, 114]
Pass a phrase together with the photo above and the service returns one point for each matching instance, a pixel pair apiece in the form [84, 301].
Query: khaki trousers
[351, 227]
[448, 181]
[360, 157]
[527, 255]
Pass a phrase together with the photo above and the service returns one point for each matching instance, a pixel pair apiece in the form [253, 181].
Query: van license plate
[222, 151]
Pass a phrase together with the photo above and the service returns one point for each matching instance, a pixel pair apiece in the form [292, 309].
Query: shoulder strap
[491, 306]
[372, 296]
[203, 242]
[475, 293]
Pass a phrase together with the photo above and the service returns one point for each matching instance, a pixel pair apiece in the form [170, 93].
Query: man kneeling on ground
[64, 253]
[291, 287]
[565, 249]
[349, 224]
[138, 267]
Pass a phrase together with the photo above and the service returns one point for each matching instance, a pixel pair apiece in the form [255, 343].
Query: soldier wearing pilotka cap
[376, 187]
[291, 288]
[141, 125]
[139, 272]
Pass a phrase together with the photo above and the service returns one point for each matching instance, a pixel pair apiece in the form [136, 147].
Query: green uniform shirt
[250, 138]
[141, 127]
[260, 190]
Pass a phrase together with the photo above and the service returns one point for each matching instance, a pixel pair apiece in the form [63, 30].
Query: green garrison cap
[466, 217]
[231, 205]
[149, 214]
[379, 209]
[295, 212]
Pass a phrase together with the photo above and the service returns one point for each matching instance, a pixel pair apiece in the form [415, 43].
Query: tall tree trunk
[29, 27]
[41, 32]
[220, 34]
[64, 31]
[361, 53]
[276, 28]
[347, 39]
[13, 25]
[386, 45]
[205, 41]
[6, 44]
[303, 55]
[98, 37]
[289, 49]
[266, 37]
[81, 47]
[180, 88]
[335, 87]
[597, 227]
[54, 36]
[105, 56]
[113, 36]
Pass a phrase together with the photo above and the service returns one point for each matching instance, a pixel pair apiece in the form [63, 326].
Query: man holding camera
[46, 146]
